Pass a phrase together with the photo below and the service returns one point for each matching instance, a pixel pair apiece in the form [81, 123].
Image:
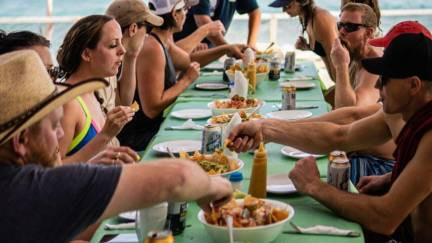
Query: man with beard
[405, 204]
[35, 194]
[355, 85]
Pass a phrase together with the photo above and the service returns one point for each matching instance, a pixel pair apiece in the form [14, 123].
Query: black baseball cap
[280, 3]
[407, 55]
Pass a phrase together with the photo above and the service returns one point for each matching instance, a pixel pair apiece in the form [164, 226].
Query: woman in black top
[319, 25]
[157, 85]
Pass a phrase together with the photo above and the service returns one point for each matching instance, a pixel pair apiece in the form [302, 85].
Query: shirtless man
[406, 90]
[354, 84]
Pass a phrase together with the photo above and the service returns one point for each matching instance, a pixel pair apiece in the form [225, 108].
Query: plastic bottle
[258, 182]
[236, 180]
[251, 76]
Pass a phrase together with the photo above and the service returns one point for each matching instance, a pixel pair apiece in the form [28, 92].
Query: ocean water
[288, 29]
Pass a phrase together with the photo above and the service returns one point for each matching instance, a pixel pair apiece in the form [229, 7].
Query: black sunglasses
[55, 72]
[350, 27]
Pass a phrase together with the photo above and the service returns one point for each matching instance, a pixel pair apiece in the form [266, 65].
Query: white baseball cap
[166, 6]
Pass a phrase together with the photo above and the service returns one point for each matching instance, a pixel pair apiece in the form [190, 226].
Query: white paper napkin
[240, 87]
[249, 56]
[188, 125]
[326, 230]
[235, 120]
[120, 226]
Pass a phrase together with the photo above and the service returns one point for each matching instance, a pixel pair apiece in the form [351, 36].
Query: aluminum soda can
[164, 236]
[274, 73]
[288, 98]
[338, 170]
[211, 139]
[227, 64]
[289, 65]
[176, 218]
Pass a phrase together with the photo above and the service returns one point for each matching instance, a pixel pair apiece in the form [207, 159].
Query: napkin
[120, 226]
[249, 56]
[188, 125]
[240, 87]
[235, 120]
[325, 230]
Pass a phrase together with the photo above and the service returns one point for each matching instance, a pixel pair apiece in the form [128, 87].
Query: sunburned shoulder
[151, 47]
[323, 14]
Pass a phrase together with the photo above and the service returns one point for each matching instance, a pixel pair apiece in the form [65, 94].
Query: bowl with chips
[224, 119]
[235, 104]
[254, 220]
[216, 164]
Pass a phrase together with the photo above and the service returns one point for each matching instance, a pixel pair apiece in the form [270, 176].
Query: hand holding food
[246, 136]
[116, 119]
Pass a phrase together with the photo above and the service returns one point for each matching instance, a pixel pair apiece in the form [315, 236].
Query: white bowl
[240, 163]
[216, 111]
[258, 234]
[259, 77]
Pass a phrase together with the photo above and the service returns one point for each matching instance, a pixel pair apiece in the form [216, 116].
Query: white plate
[295, 153]
[299, 84]
[280, 184]
[289, 114]
[131, 215]
[177, 146]
[211, 86]
[192, 114]
[300, 78]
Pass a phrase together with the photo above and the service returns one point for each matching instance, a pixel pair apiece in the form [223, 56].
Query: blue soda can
[211, 139]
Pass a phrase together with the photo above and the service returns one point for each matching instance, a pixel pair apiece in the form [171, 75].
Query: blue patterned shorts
[367, 165]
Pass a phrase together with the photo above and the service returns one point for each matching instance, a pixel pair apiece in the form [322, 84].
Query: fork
[170, 153]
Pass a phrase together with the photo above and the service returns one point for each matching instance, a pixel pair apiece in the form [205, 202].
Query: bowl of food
[263, 70]
[254, 220]
[235, 104]
[216, 164]
[224, 119]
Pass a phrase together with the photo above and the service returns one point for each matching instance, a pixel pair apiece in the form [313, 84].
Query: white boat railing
[273, 18]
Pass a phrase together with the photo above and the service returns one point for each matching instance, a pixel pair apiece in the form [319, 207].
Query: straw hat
[28, 93]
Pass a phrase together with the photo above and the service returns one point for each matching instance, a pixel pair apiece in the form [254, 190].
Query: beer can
[227, 64]
[159, 237]
[289, 65]
[288, 98]
[274, 73]
[211, 139]
[338, 170]
[176, 218]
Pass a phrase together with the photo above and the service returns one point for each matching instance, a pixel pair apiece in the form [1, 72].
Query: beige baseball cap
[127, 12]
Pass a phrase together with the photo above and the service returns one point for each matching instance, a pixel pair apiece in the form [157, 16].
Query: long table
[308, 212]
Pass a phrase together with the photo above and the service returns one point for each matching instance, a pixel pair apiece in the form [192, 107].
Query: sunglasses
[381, 82]
[55, 72]
[286, 7]
[350, 27]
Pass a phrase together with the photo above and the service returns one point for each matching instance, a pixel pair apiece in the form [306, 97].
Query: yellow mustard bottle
[251, 76]
[258, 182]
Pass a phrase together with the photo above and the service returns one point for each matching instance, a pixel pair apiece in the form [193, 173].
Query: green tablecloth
[267, 90]
[308, 212]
